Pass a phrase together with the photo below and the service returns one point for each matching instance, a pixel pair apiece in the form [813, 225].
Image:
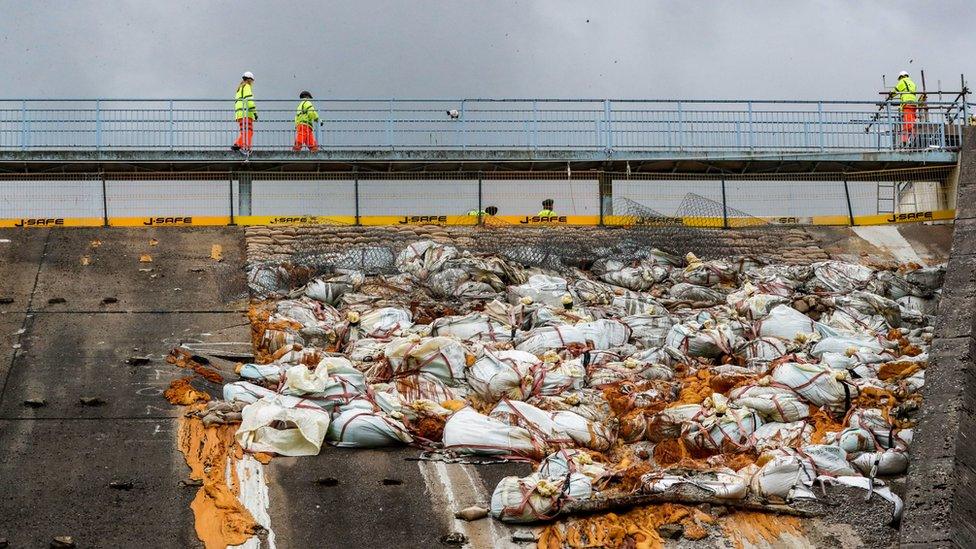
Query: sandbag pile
[742, 379]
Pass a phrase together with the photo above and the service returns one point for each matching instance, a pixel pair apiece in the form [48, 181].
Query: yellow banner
[44, 222]
[168, 221]
[547, 221]
[470, 220]
[294, 220]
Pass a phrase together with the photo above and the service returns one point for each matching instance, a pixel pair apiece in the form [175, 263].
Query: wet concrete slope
[66, 333]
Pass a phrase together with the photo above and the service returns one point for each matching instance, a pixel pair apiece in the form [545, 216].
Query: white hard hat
[902, 73]
[248, 74]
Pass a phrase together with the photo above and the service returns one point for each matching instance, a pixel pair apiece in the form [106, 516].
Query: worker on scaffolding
[305, 118]
[547, 210]
[908, 103]
[246, 113]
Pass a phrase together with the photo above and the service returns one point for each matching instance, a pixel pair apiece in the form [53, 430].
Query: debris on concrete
[718, 390]
[217, 252]
[56, 300]
[472, 513]
[63, 542]
[121, 485]
[454, 538]
[91, 401]
[35, 403]
[145, 258]
[136, 360]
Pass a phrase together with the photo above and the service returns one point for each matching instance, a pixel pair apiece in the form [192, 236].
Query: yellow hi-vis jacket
[305, 113]
[546, 213]
[905, 88]
[244, 106]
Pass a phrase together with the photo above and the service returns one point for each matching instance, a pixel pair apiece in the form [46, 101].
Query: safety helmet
[305, 95]
[902, 73]
[248, 74]
[548, 203]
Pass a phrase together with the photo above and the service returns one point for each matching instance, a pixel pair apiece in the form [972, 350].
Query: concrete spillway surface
[91, 450]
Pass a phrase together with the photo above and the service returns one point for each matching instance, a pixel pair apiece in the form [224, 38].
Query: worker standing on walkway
[546, 210]
[905, 90]
[305, 118]
[245, 112]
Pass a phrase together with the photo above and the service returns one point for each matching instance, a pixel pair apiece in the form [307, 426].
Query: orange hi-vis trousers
[246, 136]
[907, 122]
[305, 137]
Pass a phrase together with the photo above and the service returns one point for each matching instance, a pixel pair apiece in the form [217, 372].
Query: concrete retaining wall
[941, 498]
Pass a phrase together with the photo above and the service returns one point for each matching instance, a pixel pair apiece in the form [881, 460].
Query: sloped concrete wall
[941, 498]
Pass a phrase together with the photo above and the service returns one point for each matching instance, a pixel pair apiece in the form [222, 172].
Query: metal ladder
[890, 195]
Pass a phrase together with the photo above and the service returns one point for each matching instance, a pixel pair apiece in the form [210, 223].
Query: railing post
[172, 139]
[725, 208]
[535, 124]
[464, 128]
[850, 210]
[681, 128]
[104, 200]
[893, 125]
[355, 175]
[752, 136]
[98, 125]
[820, 123]
[389, 126]
[606, 126]
[605, 191]
[24, 130]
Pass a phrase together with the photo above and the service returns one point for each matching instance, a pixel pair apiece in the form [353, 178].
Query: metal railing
[483, 124]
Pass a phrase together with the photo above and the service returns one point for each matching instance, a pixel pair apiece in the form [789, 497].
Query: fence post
[725, 208]
[230, 196]
[850, 210]
[24, 130]
[355, 175]
[104, 200]
[98, 125]
[244, 193]
[480, 207]
[606, 126]
[172, 135]
[605, 192]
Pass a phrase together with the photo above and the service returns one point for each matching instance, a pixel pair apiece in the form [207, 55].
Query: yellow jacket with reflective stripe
[546, 213]
[905, 88]
[244, 106]
[305, 113]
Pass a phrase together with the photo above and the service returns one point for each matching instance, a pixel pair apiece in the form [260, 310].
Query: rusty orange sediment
[211, 453]
[638, 528]
[181, 393]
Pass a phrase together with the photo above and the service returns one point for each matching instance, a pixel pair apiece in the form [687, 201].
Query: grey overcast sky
[481, 48]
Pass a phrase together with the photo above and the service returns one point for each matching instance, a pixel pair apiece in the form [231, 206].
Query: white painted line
[888, 238]
[254, 496]
[456, 487]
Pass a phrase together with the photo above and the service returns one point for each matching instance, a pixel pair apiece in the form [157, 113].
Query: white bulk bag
[468, 432]
[362, 428]
[307, 427]
[535, 498]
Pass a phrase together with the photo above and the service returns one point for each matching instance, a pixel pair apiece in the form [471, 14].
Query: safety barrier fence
[484, 124]
[456, 198]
